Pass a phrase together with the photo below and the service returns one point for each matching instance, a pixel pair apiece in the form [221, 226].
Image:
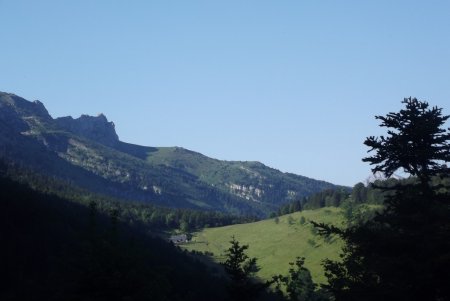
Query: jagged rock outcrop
[23, 107]
[97, 128]
[22, 116]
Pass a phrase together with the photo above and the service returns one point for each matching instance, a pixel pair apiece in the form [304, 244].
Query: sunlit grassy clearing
[276, 244]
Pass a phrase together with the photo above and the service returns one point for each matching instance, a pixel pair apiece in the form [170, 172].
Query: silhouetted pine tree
[404, 252]
[240, 268]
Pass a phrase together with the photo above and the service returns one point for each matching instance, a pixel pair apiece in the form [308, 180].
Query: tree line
[154, 218]
[374, 193]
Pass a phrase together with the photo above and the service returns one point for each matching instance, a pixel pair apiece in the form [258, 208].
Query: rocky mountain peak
[19, 115]
[23, 107]
[96, 128]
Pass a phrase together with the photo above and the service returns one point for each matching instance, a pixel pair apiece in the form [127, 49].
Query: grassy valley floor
[276, 243]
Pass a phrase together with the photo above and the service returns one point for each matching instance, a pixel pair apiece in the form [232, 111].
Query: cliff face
[19, 115]
[23, 107]
[97, 128]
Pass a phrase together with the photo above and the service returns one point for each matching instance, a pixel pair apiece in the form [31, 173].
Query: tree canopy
[240, 268]
[416, 141]
[403, 252]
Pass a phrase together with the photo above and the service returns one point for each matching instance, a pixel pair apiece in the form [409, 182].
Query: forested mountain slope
[53, 249]
[88, 153]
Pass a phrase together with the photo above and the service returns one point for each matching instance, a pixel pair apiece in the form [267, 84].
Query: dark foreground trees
[404, 252]
[298, 284]
[241, 269]
[55, 249]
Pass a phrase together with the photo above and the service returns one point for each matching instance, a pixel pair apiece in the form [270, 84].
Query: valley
[277, 241]
[101, 214]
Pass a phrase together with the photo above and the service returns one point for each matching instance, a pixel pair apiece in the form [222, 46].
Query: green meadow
[275, 243]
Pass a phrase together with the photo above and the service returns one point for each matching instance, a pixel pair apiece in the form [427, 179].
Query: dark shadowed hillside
[53, 249]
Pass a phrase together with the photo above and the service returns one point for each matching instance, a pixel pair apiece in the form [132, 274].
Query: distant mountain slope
[247, 179]
[88, 152]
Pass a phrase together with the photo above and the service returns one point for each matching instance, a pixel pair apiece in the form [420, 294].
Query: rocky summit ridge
[94, 128]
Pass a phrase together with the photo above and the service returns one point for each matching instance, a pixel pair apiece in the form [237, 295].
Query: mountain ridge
[88, 147]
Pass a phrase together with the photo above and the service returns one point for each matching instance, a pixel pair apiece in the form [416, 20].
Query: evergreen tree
[403, 252]
[359, 193]
[298, 284]
[417, 143]
[240, 268]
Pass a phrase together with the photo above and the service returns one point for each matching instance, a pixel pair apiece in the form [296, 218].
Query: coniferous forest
[54, 249]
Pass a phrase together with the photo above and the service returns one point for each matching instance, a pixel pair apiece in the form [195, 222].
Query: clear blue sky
[293, 84]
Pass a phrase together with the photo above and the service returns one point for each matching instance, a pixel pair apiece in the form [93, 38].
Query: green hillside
[248, 180]
[276, 244]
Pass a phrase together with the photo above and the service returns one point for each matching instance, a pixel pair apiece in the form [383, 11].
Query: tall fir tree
[403, 253]
[241, 269]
